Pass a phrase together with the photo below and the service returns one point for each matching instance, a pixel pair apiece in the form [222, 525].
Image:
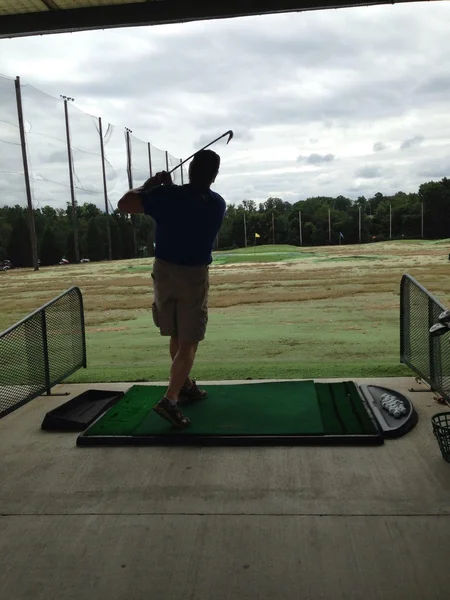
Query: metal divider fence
[41, 350]
[427, 356]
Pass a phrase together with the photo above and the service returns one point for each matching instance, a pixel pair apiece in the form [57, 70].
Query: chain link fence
[427, 356]
[42, 350]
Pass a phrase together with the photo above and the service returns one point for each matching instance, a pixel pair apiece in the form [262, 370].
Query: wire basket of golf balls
[393, 405]
[441, 429]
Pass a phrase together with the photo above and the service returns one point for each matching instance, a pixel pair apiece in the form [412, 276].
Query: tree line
[323, 220]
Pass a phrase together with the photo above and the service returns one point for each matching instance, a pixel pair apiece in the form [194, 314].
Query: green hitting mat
[284, 413]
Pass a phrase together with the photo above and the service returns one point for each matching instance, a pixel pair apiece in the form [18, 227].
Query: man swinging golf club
[188, 219]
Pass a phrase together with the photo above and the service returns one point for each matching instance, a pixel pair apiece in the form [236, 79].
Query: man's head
[204, 168]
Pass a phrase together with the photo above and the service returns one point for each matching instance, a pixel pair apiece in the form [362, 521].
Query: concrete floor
[222, 523]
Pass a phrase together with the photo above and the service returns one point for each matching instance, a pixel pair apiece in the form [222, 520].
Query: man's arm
[132, 202]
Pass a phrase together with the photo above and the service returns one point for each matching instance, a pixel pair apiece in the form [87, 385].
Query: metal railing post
[45, 349]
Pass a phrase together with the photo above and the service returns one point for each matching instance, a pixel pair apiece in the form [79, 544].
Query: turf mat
[275, 413]
[330, 418]
[285, 408]
[343, 412]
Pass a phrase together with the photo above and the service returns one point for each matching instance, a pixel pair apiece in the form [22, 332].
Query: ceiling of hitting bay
[37, 17]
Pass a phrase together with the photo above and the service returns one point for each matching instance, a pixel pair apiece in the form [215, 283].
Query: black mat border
[372, 415]
[230, 440]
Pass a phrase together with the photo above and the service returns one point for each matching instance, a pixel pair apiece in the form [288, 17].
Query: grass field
[276, 311]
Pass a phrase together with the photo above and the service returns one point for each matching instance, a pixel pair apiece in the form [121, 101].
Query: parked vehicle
[5, 265]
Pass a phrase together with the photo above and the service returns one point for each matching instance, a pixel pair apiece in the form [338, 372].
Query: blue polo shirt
[187, 222]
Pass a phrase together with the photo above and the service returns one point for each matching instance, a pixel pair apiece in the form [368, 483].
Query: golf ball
[391, 403]
[397, 413]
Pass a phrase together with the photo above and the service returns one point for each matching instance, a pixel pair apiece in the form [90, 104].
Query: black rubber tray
[80, 412]
[392, 428]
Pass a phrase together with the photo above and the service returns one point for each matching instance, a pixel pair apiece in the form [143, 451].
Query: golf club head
[439, 329]
[444, 317]
[230, 134]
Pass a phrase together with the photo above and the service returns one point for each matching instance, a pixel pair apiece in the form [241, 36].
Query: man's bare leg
[173, 352]
[181, 367]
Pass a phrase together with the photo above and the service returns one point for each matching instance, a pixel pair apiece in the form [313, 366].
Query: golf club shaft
[229, 133]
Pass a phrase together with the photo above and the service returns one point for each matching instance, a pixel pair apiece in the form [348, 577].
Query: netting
[116, 158]
[148, 160]
[41, 350]
[176, 175]
[140, 163]
[428, 356]
[87, 157]
[48, 158]
[12, 182]
[47, 148]
[158, 159]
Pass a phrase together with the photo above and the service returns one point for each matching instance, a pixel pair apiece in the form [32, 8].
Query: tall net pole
[105, 189]
[300, 226]
[421, 223]
[76, 243]
[245, 230]
[150, 168]
[31, 225]
[329, 226]
[359, 224]
[390, 221]
[130, 184]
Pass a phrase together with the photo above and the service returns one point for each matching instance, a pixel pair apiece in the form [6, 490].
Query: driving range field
[275, 311]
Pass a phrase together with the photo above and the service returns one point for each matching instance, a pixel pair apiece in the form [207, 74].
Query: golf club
[444, 317]
[439, 329]
[227, 133]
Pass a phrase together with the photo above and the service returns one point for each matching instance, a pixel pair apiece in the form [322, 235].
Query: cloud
[369, 172]
[411, 142]
[316, 159]
[180, 86]
[379, 147]
[434, 169]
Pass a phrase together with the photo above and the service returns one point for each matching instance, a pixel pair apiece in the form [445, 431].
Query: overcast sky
[349, 101]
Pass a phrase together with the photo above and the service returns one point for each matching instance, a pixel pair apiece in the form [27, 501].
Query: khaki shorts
[180, 307]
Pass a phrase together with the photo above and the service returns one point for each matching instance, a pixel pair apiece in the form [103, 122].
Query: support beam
[158, 12]
[50, 4]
